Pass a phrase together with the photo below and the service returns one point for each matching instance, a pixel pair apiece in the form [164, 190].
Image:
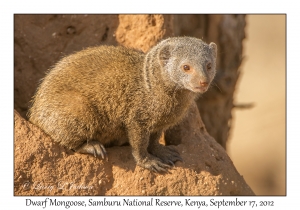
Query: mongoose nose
[203, 84]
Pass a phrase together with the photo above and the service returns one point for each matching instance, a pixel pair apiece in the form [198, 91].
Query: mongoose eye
[186, 67]
[209, 66]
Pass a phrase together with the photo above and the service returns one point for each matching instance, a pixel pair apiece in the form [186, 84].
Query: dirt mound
[42, 167]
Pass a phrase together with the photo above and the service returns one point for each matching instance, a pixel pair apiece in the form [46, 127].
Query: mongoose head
[189, 62]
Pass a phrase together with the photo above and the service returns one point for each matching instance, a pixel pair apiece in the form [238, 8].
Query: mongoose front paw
[93, 147]
[154, 164]
[168, 154]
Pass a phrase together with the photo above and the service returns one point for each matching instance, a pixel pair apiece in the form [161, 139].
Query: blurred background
[257, 143]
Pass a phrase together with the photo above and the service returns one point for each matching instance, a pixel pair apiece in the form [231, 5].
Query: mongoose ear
[164, 55]
[213, 48]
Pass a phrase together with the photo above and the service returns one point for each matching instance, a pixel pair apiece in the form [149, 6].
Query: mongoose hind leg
[168, 154]
[93, 147]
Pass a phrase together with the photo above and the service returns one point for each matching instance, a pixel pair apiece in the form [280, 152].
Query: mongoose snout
[110, 95]
[203, 84]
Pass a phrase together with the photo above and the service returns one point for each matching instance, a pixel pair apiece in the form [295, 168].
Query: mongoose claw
[100, 151]
[94, 148]
[171, 163]
[168, 154]
[154, 169]
[158, 169]
[154, 164]
[176, 158]
[172, 149]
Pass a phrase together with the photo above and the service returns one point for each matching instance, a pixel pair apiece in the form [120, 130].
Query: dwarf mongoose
[110, 95]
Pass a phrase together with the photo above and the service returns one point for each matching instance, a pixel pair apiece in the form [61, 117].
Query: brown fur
[115, 95]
